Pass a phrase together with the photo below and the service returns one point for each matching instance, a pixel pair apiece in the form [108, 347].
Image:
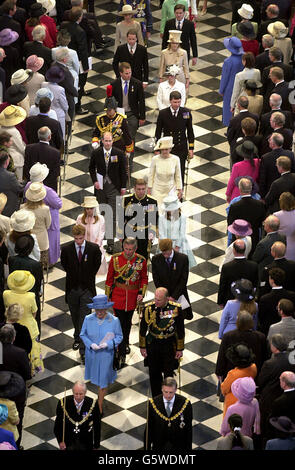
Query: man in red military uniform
[126, 285]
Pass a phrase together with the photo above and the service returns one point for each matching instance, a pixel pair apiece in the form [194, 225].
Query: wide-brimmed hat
[38, 172]
[43, 93]
[24, 245]
[15, 94]
[243, 290]
[246, 29]
[244, 389]
[246, 11]
[240, 227]
[11, 384]
[100, 302]
[89, 202]
[171, 203]
[278, 30]
[55, 74]
[234, 45]
[164, 143]
[36, 192]
[110, 103]
[47, 4]
[283, 423]
[174, 36]
[240, 355]
[20, 281]
[8, 36]
[36, 10]
[22, 220]
[34, 63]
[3, 201]
[172, 70]
[127, 10]
[252, 84]
[21, 76]
[12, 115]
[3, 413]
[247, 149]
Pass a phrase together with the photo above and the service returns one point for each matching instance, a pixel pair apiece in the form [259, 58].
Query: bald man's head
[278, 250]
[287, 380]
[271, 224]
[239, 247]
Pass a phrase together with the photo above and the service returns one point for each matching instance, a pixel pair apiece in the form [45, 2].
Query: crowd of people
[45, 53]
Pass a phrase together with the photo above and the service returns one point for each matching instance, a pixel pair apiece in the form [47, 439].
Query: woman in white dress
[165, 174]
[166, 87]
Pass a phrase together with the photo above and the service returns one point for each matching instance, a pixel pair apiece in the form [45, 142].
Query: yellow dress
[164, 177]
[28, 301]
[13, 417]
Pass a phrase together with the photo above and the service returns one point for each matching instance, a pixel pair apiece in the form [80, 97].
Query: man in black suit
[81, 260]
[272, 14]
[275, 79]
[262, 255]
[277, 122]
[275, 102]
[248, 126]
[285, 183]
[188, 35]
[234, 129]
[176, 121]
[178, 434]
[248, 209]
[278, 251]
[110, 163]
[170, 269]
[37, 48]
[79, 44]
[14, 359]
[63, 57]
[43, 153]
[284, 405]
[268, 303]
[10, 186]
[239, 268]
[76, 436]
[34, 123]
[263, 60]
[268, 169]
[284, 7]
[136, 55]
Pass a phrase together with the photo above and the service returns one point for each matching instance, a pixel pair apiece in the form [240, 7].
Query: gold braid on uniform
[77, 423]
[172, 418]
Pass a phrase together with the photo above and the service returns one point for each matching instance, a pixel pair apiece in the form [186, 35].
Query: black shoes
[81, 111]
[76, 345]
[127, 350]
[87, 93]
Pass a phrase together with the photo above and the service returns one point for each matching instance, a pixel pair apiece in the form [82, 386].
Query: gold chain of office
[172, 418]
[78, 423]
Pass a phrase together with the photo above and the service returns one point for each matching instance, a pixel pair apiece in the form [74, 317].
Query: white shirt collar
[133, 48]
[105, 151]
[171, 402]
[173, 111]
[240, 257]
[82, 246]
[290, 390]
[279, 82]
[278, 287]
[181, 22]
[44, 142]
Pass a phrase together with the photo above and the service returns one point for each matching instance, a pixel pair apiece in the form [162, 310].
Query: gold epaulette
[140, 256]
[175, 303]
[123, 115]
[116, 255]
[148, 304]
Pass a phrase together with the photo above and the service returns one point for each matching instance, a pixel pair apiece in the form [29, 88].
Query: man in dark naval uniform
[140, 218]
[81, 430]
[169, 421]
[161, 338]
[176, 121]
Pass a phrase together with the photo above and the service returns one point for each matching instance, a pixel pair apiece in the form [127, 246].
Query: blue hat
[100, 302]
[234, 45]
[3, 413]
[43, 93]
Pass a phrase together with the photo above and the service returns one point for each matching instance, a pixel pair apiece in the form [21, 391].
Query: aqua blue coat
[231, 66]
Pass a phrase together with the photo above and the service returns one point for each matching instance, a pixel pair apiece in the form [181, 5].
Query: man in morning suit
[285, 183]
[36, 47]
[248, 209]
[166, 432]
[275, 102]
[234, 129]
[81, 260]
[136, 55]
[176, 121]
[170, 269]
[284, 405]
[286, 325]
[161, 338]
[275, 82]
[263, 60]
[77, 408]
[43, 153]
[110, 163]
[188, 36]
[239, 268]
[34, 123]
[277, 122]
[278, 251]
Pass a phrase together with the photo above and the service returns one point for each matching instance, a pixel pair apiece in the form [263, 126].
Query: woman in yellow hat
[175, 55]
[19, 284]
[125, 25]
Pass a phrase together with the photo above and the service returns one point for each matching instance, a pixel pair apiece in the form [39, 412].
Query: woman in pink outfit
[248, 167]
[95, 227]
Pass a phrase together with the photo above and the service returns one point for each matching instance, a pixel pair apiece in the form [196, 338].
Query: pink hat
[34, 63]
[244, 389]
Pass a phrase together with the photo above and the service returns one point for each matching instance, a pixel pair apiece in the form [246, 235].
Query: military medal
[77, 430]
[169, 424]
[182, 423]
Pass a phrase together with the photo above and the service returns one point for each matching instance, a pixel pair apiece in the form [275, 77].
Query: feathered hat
[110, 102]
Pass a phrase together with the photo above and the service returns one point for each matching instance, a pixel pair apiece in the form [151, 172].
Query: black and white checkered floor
[125, 405]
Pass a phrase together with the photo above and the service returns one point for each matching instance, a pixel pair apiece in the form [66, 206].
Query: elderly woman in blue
[101, 332]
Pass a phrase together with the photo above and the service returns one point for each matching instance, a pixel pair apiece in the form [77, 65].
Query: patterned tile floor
[125, 404]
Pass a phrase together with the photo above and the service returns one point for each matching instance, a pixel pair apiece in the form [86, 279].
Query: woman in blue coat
[231, 66]
[101, 333]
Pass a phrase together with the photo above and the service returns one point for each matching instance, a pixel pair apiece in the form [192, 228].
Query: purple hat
[240, 227]
[55, 74]
[234, 45]
[7, 37]
[244, 389]
[283, 424]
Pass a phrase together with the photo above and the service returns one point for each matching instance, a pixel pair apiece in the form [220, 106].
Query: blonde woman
[13, 316]
[175, 55]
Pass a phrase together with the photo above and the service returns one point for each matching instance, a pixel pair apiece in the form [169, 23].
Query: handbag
[116, 358]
